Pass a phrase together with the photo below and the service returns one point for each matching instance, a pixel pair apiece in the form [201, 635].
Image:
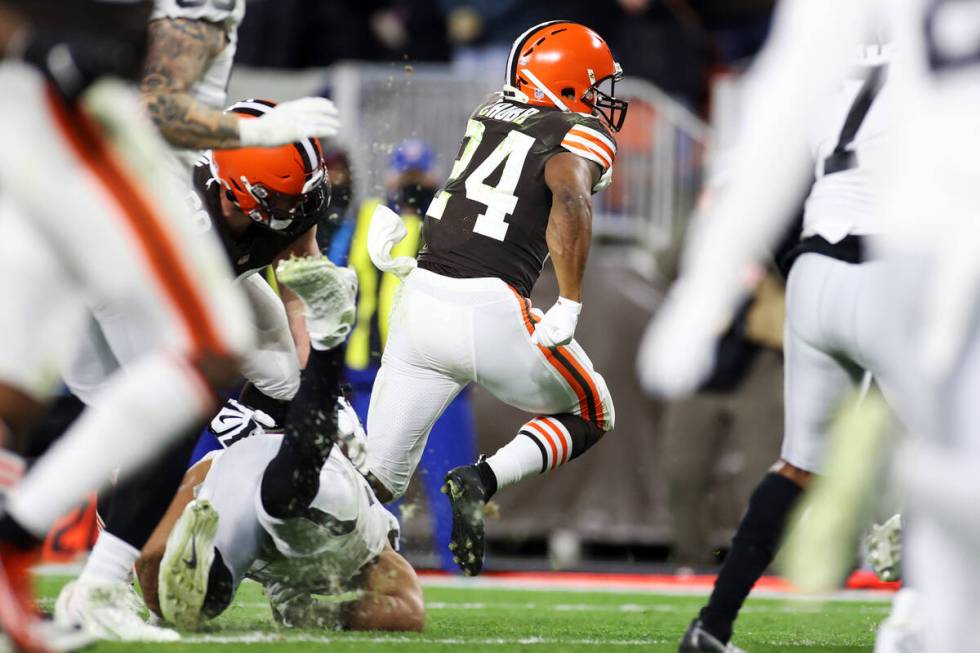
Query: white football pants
[445, 333]
[844, 319]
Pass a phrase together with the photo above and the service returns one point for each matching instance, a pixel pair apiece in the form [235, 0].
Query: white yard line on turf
[261, 638]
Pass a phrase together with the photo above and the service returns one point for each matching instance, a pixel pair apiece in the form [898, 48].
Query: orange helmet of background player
[561, 64]
[273, 185]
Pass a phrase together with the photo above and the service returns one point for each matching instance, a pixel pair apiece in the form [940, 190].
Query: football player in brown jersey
[519, 192]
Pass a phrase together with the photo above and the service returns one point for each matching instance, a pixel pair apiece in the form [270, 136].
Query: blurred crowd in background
[676, 44]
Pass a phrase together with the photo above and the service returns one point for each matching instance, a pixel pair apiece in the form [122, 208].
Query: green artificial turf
[476, 620]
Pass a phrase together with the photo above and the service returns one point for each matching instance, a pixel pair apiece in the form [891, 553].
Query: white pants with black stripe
[843, 320]
[445, 333]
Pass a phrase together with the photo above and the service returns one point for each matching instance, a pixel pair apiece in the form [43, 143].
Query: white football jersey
[844, 141]
[347, 528]
[212, 87]
[351, 526]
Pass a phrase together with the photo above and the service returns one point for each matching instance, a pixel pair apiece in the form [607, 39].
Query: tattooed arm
[179, 52]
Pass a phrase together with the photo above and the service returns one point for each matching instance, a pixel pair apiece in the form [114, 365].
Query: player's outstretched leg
[102, 599]
[292, 478]
[543, 444]
[186, 565]
[753, 549]
[108, 608]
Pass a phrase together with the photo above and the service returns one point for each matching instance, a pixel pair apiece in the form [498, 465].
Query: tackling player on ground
[87, 213]
[519, 192]
[327, 560]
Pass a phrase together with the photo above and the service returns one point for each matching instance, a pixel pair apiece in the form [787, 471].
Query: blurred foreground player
[264, 203]
[112, 229]
[191, 48]
[520, 191]
[924, 191]
[837, 293]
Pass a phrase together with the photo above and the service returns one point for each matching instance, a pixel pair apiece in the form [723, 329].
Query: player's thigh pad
[100, 189]
[817, 380]
[43, 311]
[427, 361]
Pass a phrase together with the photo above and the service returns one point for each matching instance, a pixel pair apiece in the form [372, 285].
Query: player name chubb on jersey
[508, 112]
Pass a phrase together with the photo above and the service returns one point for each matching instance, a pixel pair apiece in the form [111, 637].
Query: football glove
[557, 327]
[352, 436]
[236, 421]
[386, 230]
[289, 122]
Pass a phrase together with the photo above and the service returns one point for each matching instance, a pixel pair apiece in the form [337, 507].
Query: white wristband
[569, 305]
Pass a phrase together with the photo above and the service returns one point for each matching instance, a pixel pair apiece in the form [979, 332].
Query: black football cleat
[699, 640]
[468, 497]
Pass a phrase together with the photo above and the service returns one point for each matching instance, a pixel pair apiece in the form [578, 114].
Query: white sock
[140, 410]
[111, 560]
[516, 460]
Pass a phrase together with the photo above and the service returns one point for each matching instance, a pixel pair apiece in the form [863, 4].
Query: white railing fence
[659, 168]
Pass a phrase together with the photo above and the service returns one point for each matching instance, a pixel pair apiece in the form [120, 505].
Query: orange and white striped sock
[543, 444]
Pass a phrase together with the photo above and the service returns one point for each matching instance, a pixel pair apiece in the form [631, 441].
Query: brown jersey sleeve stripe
[593, 141]
[595, 135]
[586, 153]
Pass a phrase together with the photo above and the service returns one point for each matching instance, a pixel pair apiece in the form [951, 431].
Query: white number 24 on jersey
[500, 199]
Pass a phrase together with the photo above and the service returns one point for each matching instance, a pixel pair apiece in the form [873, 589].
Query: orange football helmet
[561, 64]
[273, 185]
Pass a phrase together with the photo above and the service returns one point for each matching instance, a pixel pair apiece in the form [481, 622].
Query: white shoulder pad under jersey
[226, 12]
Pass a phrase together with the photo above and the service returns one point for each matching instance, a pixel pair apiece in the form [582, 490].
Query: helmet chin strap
[544, 89]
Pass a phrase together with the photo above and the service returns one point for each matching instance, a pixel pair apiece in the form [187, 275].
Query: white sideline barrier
[658, 172]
